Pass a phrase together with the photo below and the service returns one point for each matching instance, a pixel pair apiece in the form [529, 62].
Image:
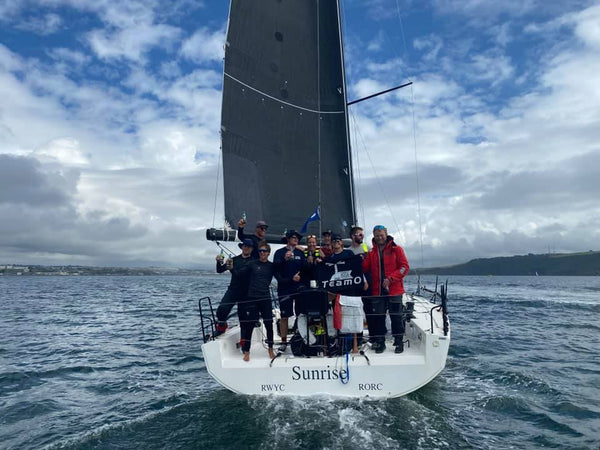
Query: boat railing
[208, 322]
[422, 290]
[443, 307]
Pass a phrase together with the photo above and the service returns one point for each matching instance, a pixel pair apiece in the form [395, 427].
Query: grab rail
[442, 307]
[211, 319]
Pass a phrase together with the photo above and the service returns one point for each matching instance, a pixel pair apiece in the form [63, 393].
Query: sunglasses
[262, 250]
[378, 227]
[262, 228]
[310, 236]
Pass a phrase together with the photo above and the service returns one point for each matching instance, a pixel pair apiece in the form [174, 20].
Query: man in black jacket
[238, 286]
[289, 262]
[260, 272]
[260, 231]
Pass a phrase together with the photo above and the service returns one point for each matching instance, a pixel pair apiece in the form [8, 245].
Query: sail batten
[284, 130]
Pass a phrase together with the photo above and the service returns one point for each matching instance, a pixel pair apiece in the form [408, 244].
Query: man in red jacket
[387, 265]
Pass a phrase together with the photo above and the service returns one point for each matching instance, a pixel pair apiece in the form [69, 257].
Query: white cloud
[132, 42]
[376, 43]
[430, 44]
[521, 185]
[45, 25]
[130, 150]
[204, 45]
[490, 66]
[9, 62]
[587, 26]
[68, 57]
[66, 151]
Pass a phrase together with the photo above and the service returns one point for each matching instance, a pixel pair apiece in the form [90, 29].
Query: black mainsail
[284, 128]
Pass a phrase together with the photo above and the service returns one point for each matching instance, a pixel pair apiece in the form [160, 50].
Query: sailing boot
[399, 344]
[220, 328]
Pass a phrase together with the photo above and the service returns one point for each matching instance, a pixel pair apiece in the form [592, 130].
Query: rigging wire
[383, 193]
[217, 186]
[414, 124]
[358, 172]
[319, 117]
[352, 137]
[225, 250]
[414, 134]
[404, 46]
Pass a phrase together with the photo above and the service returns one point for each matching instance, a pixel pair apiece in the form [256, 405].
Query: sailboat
[285, 148]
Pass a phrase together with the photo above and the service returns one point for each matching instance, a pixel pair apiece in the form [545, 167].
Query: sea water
[115, 362]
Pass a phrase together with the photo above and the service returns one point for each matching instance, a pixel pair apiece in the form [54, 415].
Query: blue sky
[109, 127]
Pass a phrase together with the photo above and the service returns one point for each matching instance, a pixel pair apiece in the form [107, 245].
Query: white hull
[382, 375]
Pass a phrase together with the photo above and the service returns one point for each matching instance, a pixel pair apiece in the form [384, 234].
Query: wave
[16, 381]
[29, 409]
[512, 303]
[519, 408]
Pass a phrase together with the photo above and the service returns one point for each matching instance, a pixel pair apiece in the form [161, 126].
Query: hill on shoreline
[557, 264]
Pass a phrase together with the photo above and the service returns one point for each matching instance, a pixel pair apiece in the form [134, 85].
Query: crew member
[326, 249]
[238, 286]
[289, 262]
[260, 230]
[387, 265]
[341, 254]
[313, 257]
[357, 245]
[260, 272]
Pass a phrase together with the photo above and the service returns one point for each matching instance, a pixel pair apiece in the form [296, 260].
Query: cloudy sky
[109, 127]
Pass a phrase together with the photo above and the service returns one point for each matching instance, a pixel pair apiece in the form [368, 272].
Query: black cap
[291, 233]
[247, 243]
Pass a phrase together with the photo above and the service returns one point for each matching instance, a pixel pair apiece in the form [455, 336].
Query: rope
[225, 249]
[347, 346]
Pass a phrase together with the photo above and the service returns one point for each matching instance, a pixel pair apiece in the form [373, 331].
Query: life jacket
[395, 265]
[316, 255]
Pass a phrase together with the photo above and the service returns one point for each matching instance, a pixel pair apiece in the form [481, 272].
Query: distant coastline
[40, 270]
[555, 264]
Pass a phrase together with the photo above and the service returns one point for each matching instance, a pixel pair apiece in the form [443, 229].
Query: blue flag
[312, 218]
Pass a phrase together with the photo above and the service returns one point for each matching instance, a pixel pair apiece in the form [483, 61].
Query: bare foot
[246, 356]
[271, 353]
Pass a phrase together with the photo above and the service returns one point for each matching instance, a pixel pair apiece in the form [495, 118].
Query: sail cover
[284, 128]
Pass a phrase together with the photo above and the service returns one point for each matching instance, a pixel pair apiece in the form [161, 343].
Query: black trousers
[376, 309]
[228, 301]
[249, 313]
